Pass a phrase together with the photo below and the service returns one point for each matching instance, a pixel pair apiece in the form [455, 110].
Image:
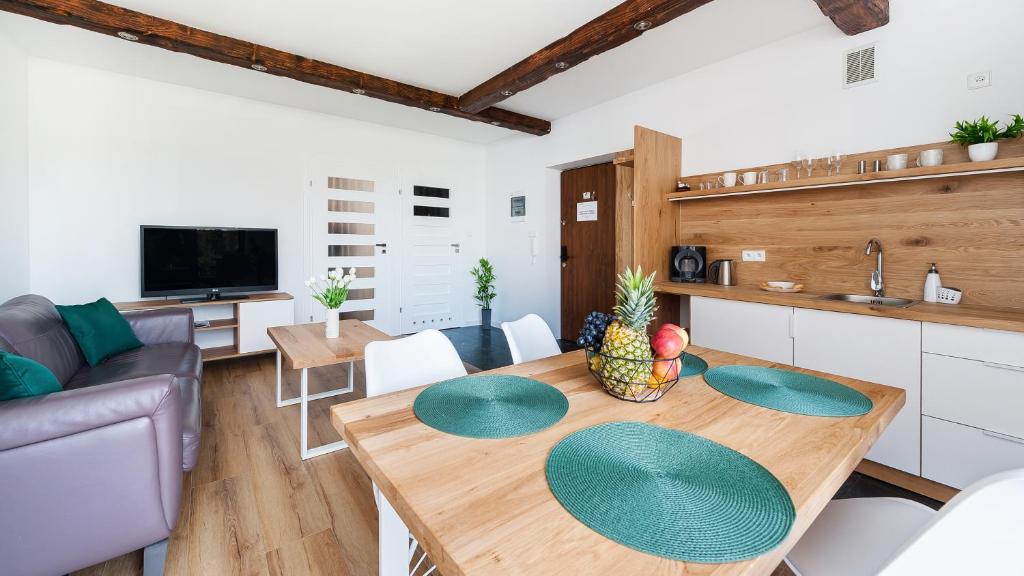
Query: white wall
[760, 107]
[14, 243]
[109, 152]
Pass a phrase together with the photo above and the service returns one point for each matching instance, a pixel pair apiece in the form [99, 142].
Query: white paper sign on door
[586, 211]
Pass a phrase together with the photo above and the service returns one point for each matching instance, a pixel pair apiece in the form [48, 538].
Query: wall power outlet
[754, 256]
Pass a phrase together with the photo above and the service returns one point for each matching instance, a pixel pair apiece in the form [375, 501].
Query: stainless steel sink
[876, 300]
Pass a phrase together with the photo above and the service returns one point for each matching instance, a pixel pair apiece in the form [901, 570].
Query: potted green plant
[981, 136]
[332, 292]
[484, 276]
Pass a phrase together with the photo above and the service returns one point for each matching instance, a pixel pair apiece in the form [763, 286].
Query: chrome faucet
[876, 276]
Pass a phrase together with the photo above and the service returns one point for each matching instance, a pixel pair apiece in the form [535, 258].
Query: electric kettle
[722, 272]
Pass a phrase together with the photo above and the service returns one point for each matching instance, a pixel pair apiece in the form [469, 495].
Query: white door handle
[1006, 437]
[1003, 366]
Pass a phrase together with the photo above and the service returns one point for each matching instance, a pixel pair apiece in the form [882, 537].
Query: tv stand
[250, 317]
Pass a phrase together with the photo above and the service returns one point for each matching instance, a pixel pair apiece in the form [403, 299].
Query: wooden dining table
[483, 506]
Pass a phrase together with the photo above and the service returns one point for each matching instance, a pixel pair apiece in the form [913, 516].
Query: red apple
[680, 331]
[667, 343]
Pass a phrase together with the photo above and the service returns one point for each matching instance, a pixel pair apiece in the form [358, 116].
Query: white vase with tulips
[331, 291]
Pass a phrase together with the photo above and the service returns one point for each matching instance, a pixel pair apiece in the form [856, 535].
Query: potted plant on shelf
[331, 291]
[981, 136]
[484, 276]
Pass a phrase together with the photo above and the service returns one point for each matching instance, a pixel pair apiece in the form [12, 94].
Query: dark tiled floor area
[486, 348]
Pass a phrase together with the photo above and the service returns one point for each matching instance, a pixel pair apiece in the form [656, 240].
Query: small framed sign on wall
[517, 207]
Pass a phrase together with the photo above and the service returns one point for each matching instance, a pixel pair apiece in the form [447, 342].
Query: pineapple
[626, 338]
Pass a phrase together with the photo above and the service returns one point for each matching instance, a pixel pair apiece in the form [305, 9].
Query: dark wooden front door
[588, 247]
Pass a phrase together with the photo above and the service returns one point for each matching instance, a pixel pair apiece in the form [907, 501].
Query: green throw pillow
[21, 377]
[99, 329]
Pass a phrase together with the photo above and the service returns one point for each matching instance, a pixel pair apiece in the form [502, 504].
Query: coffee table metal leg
[279, 402]
[282, 402]
[304, 399]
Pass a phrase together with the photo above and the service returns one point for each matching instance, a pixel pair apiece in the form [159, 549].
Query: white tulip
[352, 272]
[308, 284]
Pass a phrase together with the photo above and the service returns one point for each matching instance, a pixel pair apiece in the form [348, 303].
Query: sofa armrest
[42, 418]
[97, 469]
[162, 326]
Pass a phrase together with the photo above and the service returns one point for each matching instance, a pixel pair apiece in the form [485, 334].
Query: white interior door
[352, 216]
[432, 257]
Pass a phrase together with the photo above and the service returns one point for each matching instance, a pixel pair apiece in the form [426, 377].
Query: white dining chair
[394, 365]
[529, 338]
[979, 531]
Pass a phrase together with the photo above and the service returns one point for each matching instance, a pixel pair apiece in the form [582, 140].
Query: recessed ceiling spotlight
[128, 36]
[643, 25]
[561, 65]
[434, 109]
[359, 91]
[495, 122]
[259, 67]
[507, 92]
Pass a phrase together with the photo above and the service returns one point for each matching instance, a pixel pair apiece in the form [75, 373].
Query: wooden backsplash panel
[971, 226]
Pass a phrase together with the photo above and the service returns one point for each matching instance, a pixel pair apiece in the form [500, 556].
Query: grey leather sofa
[95, 471]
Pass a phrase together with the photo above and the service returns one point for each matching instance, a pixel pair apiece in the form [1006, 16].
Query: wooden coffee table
[304, 346]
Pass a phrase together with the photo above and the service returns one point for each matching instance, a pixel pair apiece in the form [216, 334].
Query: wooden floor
[251, 506]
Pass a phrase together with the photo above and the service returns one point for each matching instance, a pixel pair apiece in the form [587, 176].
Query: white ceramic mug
[748, 178]
[931, 157]
[896, 162]
[728, 179]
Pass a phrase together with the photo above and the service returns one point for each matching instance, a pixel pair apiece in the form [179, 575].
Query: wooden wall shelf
[944, 171]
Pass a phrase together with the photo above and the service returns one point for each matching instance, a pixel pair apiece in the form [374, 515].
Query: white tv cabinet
[245, 328]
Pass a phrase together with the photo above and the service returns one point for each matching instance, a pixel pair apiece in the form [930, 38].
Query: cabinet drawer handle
[1006, 437]
[1003, 366]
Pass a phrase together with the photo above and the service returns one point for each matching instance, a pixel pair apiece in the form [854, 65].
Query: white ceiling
[439, 45]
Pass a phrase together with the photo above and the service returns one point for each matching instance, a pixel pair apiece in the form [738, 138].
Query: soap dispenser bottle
[932, 283]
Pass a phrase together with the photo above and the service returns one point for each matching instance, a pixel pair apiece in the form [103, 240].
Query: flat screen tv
[182, 260]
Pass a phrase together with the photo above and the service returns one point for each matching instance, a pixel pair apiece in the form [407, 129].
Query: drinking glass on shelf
[798, 161]
[835, 162]
[809, 165]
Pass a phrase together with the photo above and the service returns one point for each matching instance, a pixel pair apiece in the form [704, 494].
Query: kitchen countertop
[1011, 319]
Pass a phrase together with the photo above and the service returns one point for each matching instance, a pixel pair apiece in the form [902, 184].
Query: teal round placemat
[788, 391]
[490, 406]
[692, 365]
[669, 493]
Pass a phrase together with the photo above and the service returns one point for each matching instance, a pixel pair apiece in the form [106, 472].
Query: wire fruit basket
[631, 379]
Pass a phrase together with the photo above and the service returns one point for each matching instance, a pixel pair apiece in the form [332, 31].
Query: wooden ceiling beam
[609, 30]
[856, 16]
[145, 29]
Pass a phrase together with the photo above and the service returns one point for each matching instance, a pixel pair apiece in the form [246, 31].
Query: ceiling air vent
[859, 66]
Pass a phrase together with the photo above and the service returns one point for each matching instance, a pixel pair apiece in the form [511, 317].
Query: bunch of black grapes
[592, 333]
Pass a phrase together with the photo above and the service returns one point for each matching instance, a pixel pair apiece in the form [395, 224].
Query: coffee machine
[688, 263]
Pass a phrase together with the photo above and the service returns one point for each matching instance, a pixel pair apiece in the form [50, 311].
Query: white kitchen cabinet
[746, 328]
[972, 383]
[997, 346]
[957, 455]
[881, 350]
[972, 392]
[255, 317]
